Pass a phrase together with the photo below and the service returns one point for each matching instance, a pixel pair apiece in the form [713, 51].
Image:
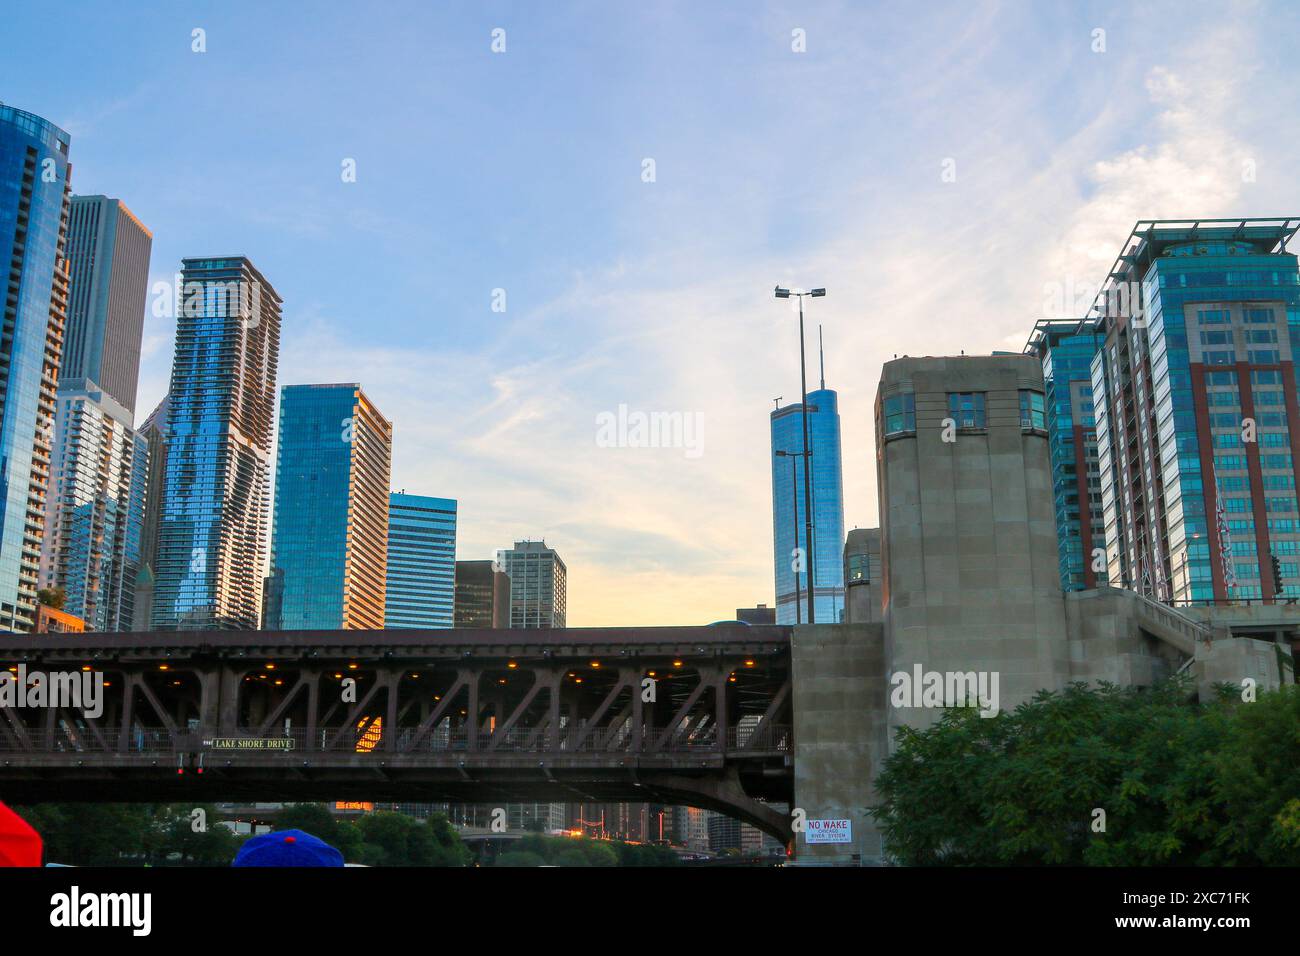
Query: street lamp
[807, 455]
[794, 515]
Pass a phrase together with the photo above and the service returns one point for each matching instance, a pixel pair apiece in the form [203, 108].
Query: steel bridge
[677, 715]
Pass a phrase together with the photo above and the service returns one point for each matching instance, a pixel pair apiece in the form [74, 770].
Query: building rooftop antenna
[821, 354]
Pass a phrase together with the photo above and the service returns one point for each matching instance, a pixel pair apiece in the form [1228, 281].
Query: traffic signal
[1277, 577]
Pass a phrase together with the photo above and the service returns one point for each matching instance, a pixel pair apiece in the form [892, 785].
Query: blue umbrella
[287, 848]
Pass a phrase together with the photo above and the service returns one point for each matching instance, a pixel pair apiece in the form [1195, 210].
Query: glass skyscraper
[329, 550]
[34, 196]
[828, 509]
[108, 256]
[421, 561]
[95, 507]
[1067, 353]
[1196, 410]
[212, 536]
[539, 585]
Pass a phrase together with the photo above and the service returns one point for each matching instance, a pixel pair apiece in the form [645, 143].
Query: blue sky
[522, 171]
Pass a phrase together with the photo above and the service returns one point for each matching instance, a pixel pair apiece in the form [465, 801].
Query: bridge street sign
[249, 743]
[828, 831]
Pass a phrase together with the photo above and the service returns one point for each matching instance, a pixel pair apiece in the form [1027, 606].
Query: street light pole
[807, 455]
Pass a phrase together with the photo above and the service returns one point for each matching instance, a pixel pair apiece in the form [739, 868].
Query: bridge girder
[699, 716]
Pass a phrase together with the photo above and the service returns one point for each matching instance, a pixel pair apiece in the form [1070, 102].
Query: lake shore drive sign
[249, 743]
[828, 831]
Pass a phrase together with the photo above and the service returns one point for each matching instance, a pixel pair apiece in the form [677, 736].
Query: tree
[172, 835]
[1100, 776]
[314, 818]
[52, 597]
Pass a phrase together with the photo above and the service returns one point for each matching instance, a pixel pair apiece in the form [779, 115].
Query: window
[900, 414]
[859, 568]
[1031, 410]
[967, 409]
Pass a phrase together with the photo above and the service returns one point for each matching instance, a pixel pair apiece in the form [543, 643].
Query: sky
[593, 216]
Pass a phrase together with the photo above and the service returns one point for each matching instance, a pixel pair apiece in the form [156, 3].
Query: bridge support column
[228, 701]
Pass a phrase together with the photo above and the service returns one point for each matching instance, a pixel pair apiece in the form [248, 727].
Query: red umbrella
[20, 845]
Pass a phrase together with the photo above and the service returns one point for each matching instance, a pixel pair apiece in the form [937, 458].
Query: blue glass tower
[213, 539]
[1067, 352]
[421, 561]
[329, 551]
[34, 196]
[828, 508]
[1198, 421]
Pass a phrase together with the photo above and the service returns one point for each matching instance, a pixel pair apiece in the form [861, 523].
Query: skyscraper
[1197, 417]
[108, 257]
[482, 595]
[828, 509]
[329, 552]
[538, 585]
[421, 561]
[95, 507]
[212, 537]
[34, 195]
[1069, 416]
[154, 434]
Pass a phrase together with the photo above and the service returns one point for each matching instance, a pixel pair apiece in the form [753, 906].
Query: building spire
[821, 355]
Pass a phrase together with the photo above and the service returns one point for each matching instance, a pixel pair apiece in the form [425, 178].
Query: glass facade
[828, 507]
[34, 196]
[538, 585]
[95, 508]
[1066, 412]
[421, 561]
[329, 553]
[213, 545]
[1195, 439]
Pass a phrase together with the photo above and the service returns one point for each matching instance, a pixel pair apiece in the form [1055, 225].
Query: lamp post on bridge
[807, 455]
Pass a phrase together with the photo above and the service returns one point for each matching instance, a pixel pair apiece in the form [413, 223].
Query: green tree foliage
[571, 851]
[382, 838]
[131, 834]
[126, 834]
[52, 597]
[1180, 783]
[174, 839]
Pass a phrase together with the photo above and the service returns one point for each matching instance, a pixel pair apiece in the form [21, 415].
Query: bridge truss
[696, 716]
